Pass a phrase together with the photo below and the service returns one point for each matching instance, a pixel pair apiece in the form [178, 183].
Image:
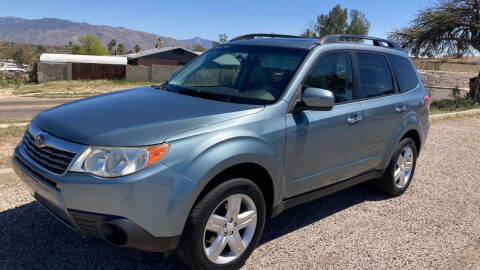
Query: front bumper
[149, 207]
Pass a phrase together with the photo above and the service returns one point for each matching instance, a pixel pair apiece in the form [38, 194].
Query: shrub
[456, 104]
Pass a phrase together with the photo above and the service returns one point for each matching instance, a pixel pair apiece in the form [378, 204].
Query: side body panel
[321, 148]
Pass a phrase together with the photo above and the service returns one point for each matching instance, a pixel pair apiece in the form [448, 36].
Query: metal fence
[81, 71]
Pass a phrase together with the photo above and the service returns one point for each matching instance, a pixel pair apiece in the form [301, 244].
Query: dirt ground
[7, 144]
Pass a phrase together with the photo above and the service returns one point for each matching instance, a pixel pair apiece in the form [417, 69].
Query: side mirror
[316, 99]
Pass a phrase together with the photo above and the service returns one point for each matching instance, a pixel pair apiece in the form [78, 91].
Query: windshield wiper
[202, 94]
[194, 93]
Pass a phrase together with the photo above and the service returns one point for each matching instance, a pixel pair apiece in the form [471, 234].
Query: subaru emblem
[40, 140]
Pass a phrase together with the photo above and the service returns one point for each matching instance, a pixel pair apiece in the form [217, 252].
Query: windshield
[240, 74]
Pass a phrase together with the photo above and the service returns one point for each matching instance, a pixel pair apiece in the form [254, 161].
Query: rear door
[382, 106]
[322, 146]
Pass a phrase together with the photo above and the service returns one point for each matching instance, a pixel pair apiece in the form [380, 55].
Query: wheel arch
[409, 127]
[415, 136]
[248, 170]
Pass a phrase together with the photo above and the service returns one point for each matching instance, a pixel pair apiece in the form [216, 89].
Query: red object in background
[426, 98]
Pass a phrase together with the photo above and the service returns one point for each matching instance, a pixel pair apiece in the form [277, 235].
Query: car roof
[333, 41]
[299, 43]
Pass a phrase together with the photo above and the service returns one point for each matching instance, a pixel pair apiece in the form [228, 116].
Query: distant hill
[198, 40]
[8, 20]
[58, 32]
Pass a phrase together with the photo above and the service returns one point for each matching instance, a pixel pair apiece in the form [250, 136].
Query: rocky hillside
[50, 31]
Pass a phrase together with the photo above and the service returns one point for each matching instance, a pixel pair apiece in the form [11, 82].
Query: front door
[321, 146]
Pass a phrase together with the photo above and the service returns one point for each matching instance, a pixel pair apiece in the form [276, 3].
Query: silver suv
[246, 130]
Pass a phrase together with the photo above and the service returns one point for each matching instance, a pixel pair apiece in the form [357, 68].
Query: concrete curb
[443, 116]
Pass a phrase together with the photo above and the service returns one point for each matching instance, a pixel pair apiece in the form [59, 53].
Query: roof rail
[252, 36]
[376, 41]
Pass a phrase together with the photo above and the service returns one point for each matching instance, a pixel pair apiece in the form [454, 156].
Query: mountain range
[206, 43]
[58, 32]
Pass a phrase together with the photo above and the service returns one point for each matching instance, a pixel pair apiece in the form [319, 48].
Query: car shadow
[303, 215]
[31, 239]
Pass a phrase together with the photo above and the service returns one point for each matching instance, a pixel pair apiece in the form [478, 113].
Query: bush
[32, 73]
[16, 82]
[456, 104]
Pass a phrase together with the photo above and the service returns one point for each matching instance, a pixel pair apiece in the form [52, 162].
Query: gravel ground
[434, 225]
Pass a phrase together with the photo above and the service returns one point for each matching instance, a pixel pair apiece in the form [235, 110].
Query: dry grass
[13, 121]
[9, 138]
[58, 89]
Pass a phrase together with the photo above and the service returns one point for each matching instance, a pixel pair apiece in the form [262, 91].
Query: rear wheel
[224, 227]
[399, 173]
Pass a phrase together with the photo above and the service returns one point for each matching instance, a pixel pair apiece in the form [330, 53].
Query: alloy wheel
[230, 229]
[403, 167]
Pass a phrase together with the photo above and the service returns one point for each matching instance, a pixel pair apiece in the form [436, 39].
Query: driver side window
[333, 72]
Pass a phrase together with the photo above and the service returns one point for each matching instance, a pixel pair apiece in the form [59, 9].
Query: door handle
[401, 108]
[354, 118]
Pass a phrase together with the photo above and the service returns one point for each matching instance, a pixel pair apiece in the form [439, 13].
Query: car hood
[135, 117]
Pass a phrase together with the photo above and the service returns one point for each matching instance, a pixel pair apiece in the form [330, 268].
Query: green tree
[89, 45]
[337, 22]
[359, 24]
[198, 48]
[111, 46]
[137, 48]
[39, 50]
[121, 49]
[450, 27]
[92, 45]
[74, 48]
[223, 38]
[18, 56]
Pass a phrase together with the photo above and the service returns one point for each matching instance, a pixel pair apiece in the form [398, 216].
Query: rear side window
[375, 75]
[405, 73]
[333, 72]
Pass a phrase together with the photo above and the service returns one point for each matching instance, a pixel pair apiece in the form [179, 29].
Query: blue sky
[185, 19]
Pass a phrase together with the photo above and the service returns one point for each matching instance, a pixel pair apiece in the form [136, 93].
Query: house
[53, 67]
[150, 65]
[10, 69]
[171, 56]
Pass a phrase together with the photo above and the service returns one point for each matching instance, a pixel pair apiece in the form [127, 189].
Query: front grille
[50, 158]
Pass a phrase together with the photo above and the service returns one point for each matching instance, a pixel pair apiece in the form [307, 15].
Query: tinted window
[375, 75]
[404, 72]
[333, 72]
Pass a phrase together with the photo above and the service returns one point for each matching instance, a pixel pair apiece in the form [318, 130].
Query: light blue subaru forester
[246, 130]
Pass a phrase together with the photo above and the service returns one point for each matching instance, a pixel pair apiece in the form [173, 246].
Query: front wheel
[399, 173]
[224, 227]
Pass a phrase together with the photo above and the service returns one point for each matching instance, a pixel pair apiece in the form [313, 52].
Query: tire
[197, 240]
[391, 182]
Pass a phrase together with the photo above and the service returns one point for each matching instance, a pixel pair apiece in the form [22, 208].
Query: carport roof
[76, 58]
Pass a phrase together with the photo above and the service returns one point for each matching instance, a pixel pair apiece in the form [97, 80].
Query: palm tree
[121, 49]
[111, 46]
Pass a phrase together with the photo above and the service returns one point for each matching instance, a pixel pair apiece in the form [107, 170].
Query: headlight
[117, 161]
